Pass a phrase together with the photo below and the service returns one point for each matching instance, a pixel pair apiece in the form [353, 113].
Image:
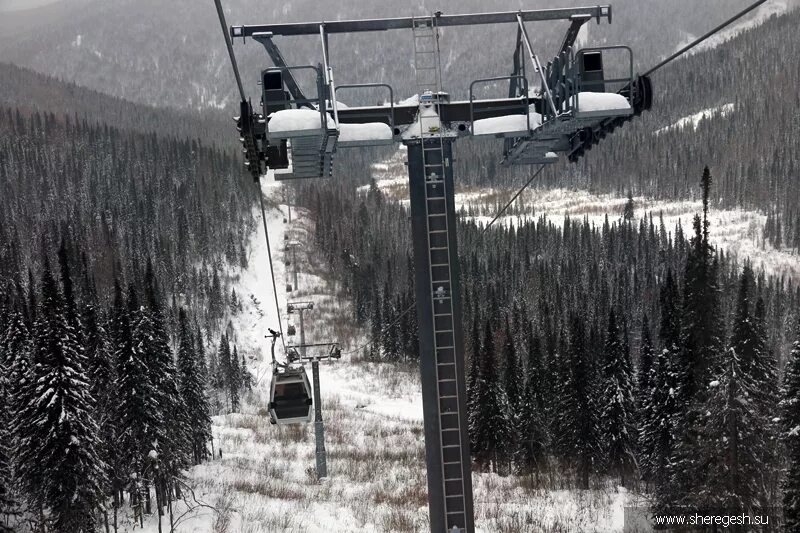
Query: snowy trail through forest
[264, 480]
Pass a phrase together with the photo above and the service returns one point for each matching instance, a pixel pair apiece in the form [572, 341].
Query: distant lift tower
[564, 107]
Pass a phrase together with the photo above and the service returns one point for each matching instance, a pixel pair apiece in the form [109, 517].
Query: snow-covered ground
[736, 231]
[265, 482]
[694, 119]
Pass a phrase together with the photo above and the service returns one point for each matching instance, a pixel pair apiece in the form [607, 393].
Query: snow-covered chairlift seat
[519, 122]
[375, 130]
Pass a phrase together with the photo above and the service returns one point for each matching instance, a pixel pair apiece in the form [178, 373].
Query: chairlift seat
[291, 400]
[365, 134]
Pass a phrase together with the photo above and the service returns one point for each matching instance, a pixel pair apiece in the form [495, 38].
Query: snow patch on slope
[762, 14]
[736, 231]
[695, 119]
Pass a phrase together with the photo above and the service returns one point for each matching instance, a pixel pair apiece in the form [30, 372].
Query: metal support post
[441, 338]
[319, 425]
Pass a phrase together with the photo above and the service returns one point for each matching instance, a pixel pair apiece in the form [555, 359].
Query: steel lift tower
[565, 106]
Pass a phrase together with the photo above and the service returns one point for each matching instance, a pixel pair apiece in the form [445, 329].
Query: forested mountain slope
[30, 91]
[122, 198]
[172, 53]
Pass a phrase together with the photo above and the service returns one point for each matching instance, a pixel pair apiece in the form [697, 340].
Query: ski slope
[265, 483]
[695, 119]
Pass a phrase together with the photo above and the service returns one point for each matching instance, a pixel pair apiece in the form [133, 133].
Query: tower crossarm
[401, 23]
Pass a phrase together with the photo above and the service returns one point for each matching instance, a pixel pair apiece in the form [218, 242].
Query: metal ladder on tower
[428, 79]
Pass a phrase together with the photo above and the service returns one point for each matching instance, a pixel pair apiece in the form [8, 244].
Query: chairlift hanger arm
[351, 26]
[333, 351]
[278, 60]
[572, 33]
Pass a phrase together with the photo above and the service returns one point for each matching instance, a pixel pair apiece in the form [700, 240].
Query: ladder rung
[452, 463]
[438, 247]
[459, 495]
[436, 199]
[443, 331]
[457, 512]
[448, 396]
[438, 231]
[444, 348]
[443, 314]
[454, 479]
[446, 380]
[446, 364]
[452, 446]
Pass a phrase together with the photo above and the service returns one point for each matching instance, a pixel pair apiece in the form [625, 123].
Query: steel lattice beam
[350, 26]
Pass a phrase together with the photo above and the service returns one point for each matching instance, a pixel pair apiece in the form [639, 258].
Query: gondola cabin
[291, 400]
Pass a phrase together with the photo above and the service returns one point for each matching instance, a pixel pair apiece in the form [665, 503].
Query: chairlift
[290, 396]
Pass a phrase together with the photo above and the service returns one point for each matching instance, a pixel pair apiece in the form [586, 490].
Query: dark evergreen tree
[491, 423]
[630, 209]
[165, 435]
[618, 411]
[246, 376]
[702, 327]
[195, 411]
[580, 416]
[790, 434]
[57, 458]
[8, 505]
[101, 374]
[137, 411]
[514, 375]
[645, 371]
[730, 446]
[224, 368]
[656, 434]
[235, 379]
[472, 380]
[531, 455]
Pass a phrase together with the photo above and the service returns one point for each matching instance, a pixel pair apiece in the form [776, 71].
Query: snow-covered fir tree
[491, 422]
[531, 454]
[790, 435]
[195, 411]
[473, 375]
[656, 432]
[137, 411]
[579, 435]
[151, 335]
[618, 410]
[235, 379]
[57, 451]
[514, 374]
